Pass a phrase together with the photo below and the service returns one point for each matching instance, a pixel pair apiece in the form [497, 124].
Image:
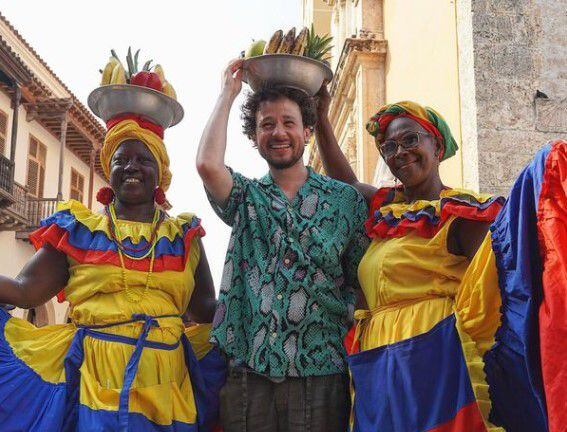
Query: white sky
[192, 40]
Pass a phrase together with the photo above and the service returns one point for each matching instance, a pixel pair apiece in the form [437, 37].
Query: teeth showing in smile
[131, 180]
[280, 146]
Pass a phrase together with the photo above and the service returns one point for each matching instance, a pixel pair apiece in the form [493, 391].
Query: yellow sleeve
[478, 300]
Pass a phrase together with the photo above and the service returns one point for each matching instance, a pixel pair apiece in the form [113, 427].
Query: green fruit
[256, 48]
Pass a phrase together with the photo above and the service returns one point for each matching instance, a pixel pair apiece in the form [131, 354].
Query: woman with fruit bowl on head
[126, 362]
[434, 279]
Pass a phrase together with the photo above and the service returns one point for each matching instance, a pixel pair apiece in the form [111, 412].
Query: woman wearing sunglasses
[428, 321]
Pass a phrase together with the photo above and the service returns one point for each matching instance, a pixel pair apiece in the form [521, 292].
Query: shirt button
[280, 296]
[274, 334]
[286, 261]
[291, 240]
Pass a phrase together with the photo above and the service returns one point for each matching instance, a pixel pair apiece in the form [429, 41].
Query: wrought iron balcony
[24, 212]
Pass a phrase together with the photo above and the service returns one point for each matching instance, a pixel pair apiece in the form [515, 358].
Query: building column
[16, 99]
[91, 176]
[63, 139]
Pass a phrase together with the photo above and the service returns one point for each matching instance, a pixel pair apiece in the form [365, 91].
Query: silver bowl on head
[109, 101]
[287, 70]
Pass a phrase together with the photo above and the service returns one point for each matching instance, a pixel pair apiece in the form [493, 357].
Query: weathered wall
[520, 47]
[422, 64]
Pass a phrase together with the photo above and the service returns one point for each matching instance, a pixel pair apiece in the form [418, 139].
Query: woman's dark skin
[47, 272]
[416, 168]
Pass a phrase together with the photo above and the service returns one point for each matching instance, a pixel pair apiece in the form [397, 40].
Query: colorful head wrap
[427, 117]
[133, 129]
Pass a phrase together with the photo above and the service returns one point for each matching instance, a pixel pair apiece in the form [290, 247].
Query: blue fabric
[27, 402]
[512, 365]
[103, 421]
[81, 237]
[213, 369]
[412, 385]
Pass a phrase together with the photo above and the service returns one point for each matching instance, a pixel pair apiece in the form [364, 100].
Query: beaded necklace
[123, 250]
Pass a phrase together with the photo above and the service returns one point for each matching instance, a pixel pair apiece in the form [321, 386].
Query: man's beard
[284, 164]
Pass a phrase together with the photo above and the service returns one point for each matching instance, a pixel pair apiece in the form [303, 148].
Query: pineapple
[318, 47]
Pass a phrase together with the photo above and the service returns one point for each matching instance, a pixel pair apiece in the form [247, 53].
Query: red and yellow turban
[427, 117]
[133, 128]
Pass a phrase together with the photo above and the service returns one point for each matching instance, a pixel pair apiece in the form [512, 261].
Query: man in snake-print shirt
[287, 292]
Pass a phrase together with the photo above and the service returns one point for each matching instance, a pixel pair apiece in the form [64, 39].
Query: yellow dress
[429, 320]
[162, 395]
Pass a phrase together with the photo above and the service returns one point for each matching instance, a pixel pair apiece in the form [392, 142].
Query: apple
[256, 48]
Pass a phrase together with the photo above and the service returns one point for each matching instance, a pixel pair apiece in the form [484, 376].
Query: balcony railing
[38, 209]
[20, 194]
[6, 167]
[25, 212]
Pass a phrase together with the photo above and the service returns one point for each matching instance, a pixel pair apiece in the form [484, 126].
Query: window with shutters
[36, 167]
[3, 132]
[77, 186]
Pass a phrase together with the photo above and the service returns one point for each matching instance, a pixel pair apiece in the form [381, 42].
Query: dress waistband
[135, 318]
[363, 315]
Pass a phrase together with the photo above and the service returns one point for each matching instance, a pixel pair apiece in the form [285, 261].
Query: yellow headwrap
[129, 130]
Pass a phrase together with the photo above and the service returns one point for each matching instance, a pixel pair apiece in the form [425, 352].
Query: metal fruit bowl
[287, 70]
[112, 100]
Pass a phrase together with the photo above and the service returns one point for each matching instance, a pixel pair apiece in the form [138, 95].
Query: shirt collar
[268, 180]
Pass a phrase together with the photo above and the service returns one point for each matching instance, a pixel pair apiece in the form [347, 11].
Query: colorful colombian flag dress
[452, 345]
[421, 341]
[126, 362]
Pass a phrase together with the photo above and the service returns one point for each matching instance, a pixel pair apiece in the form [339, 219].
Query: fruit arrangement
[306, 43]
[151, 77]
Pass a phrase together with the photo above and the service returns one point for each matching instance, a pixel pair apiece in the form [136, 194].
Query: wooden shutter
[36, 168]
[77, 186]
[3, 132]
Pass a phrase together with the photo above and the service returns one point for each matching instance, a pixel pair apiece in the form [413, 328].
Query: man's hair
[252, 103]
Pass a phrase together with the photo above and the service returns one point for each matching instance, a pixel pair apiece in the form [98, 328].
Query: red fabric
[58, 238]
[349, 340]
[468, 419]
[385, 120]
[142, 122]
[552, 230]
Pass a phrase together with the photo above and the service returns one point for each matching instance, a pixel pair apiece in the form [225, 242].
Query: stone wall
[520, 68]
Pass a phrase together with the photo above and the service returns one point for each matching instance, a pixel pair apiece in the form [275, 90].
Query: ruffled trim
[135, 231]
[83, 236]
[390, 216]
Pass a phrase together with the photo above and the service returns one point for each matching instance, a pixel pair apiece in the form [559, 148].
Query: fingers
[235, 65]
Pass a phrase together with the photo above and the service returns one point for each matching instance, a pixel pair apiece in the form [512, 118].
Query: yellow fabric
[411, 283]
[162, 388]
[127, 130]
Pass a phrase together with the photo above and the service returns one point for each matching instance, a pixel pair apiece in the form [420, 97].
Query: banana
[118, 74]
[168, 90]
[274, 43]
[300, 42]
[159, 70]
[287, 43]
[107, 72]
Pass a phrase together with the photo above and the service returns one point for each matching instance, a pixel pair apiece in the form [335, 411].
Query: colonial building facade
[49, 143]
[495, 70]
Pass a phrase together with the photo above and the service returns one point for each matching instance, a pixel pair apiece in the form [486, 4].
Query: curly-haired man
[287, 292]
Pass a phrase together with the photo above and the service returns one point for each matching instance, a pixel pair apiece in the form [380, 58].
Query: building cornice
[353, 48]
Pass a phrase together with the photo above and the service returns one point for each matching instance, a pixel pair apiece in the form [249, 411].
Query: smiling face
[416, 165]
[280, 133]
[134, 173]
